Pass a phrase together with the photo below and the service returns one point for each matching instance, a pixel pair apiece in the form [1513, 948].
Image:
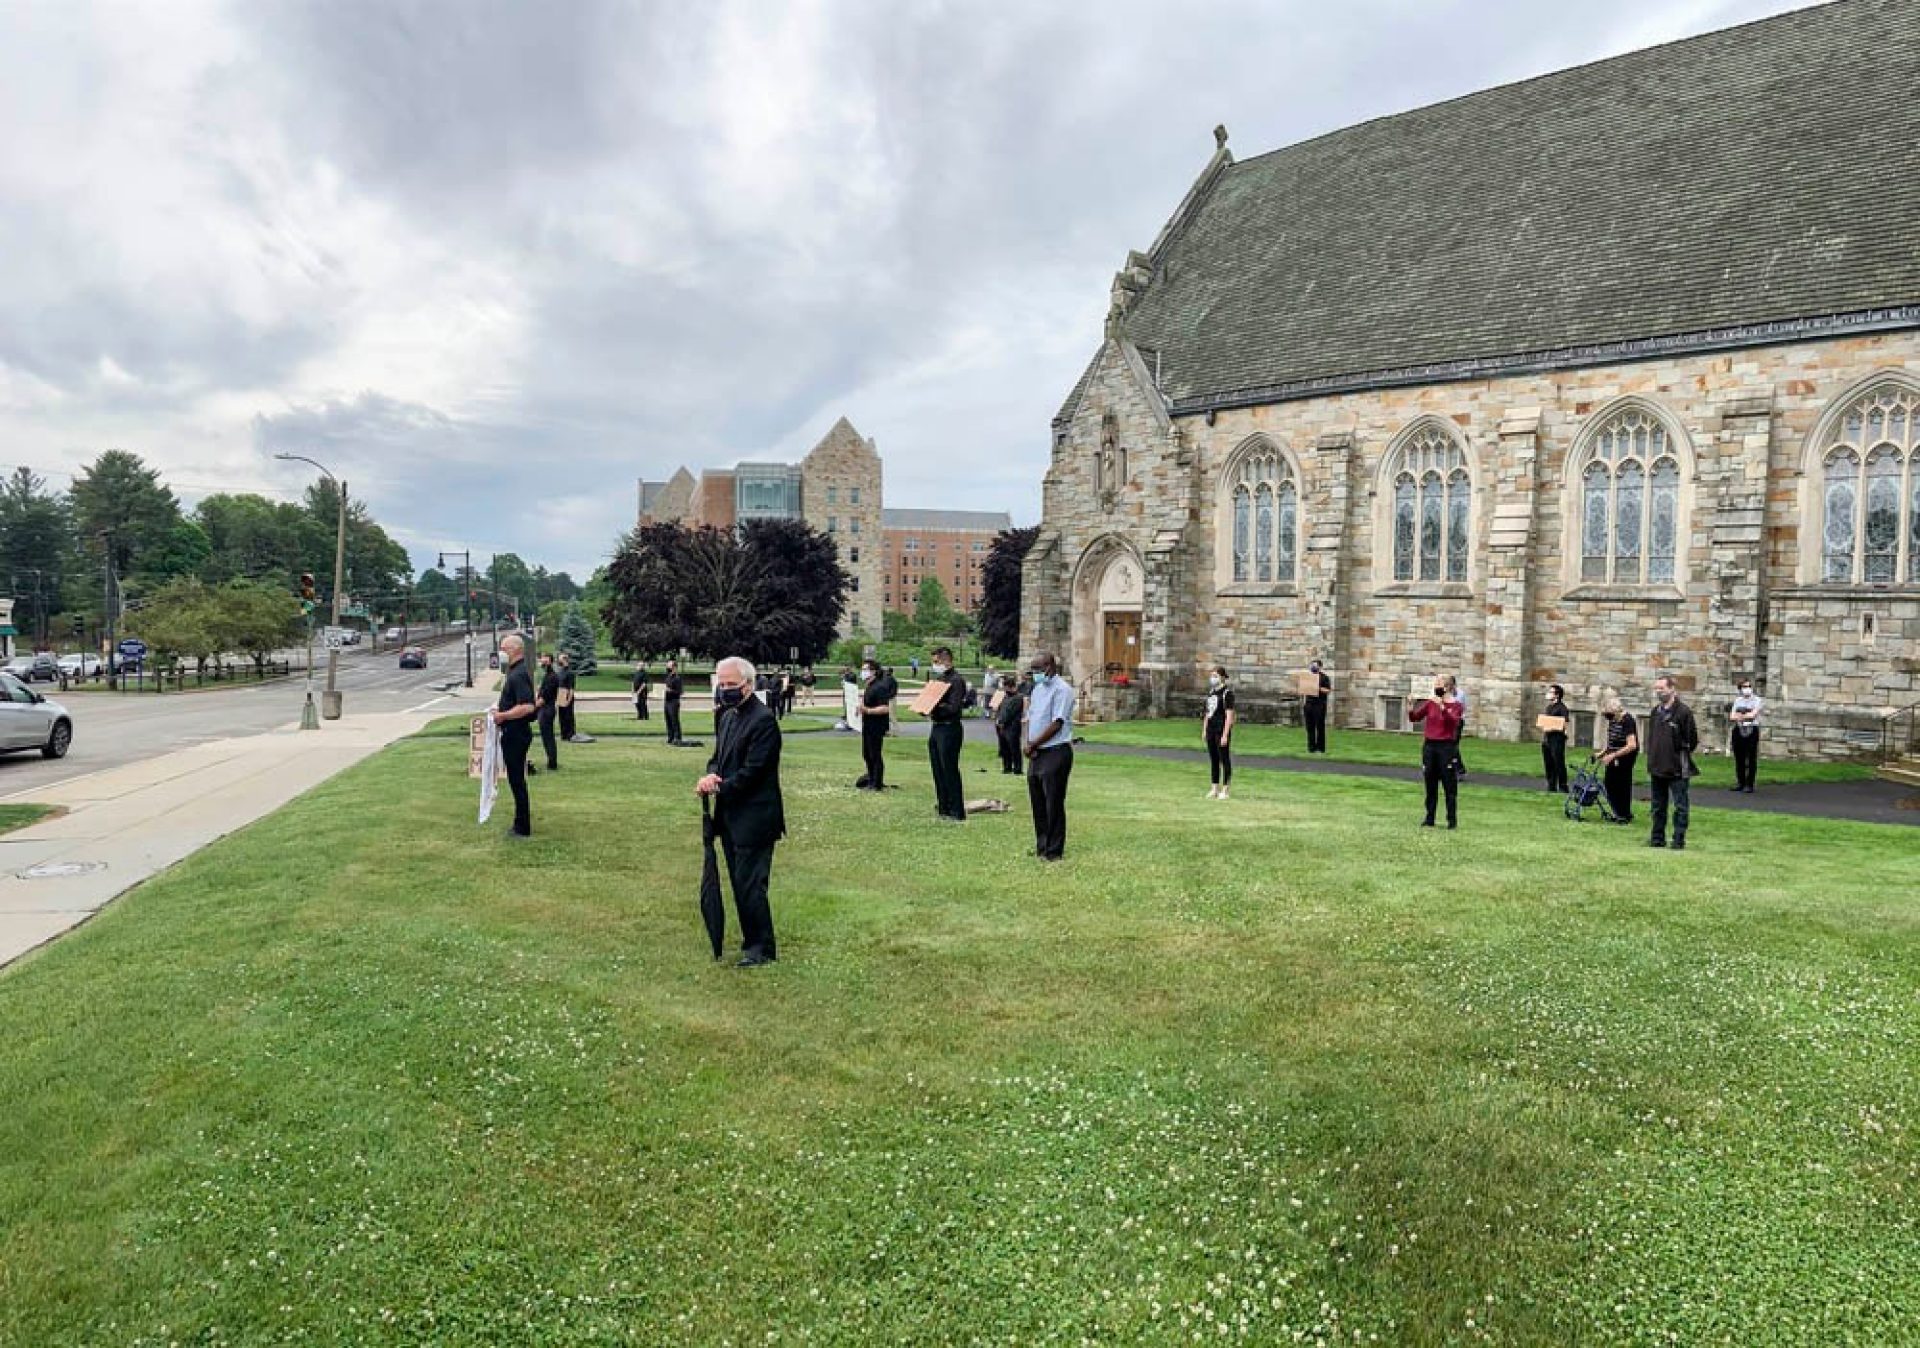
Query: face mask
[1746, 692]
[940, 669]
[729, 697]
[1039, 678]
[1213, 680]
[866, 676]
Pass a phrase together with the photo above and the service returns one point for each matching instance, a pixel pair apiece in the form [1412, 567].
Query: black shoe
[1679, 845]
[1451, 823]
[1656, 842]
[1426, 823]
[553, 767]
[514, 835]
[752, 959]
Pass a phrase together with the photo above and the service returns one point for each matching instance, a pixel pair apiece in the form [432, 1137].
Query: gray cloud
[500, 259]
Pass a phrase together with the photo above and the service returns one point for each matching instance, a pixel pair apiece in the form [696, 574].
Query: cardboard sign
[477, 748]
[993, 703]
[1306, 683]
[1420, 687]
[1552, 725]
[930, 696]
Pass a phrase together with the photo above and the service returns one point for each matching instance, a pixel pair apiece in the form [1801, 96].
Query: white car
[394, 634]
[30, 721]
[81, 666]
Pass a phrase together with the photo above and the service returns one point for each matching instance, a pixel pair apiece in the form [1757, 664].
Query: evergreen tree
[36, 549]
[119, 496]
[577, 640]
[933, 613]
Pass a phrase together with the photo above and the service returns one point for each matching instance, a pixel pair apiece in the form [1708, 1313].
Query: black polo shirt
[516, 690]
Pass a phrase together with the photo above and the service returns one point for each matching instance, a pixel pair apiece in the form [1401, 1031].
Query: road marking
[434, 703]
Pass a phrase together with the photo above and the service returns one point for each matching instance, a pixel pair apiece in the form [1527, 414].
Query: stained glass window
[1242, 531]
[1264, 522]
[1404, 530]
[1458, 501]
[1431, 496]
[1870, 491]
[1287, 507]
[1630, 526]
[1263, 532]
[1432, 508]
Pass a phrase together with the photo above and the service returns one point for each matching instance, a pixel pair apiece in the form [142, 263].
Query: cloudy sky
[492, 262]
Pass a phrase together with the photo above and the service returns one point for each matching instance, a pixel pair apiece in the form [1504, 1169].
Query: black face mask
[729, 697]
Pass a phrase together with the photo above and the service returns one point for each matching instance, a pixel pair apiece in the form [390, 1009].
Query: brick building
[949, 544]
[837, 488]
[1604, 372]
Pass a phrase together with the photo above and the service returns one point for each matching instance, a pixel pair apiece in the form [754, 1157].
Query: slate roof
[984, 520]
[1761, 173]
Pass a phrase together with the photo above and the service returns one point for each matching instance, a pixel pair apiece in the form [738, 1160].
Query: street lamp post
[466, 602]
[330, 700]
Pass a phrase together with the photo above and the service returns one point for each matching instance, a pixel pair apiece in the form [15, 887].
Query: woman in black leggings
[1218, 731]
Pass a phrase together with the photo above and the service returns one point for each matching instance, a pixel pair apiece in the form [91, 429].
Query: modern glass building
[764, 491]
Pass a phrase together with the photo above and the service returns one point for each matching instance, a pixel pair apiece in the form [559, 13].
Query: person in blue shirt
[1049, 751]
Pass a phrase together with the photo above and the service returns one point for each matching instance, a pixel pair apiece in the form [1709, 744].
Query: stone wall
[1742, 601]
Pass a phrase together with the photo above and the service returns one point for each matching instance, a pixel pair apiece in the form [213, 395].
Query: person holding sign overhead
[1553, 738]
[1440, 716]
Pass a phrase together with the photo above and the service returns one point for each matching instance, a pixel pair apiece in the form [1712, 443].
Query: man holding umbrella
[742, 790]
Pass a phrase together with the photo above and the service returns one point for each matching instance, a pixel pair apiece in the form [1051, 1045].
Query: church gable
[1115, 447]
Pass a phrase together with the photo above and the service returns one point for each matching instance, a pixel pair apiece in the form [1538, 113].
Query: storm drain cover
[55, 870]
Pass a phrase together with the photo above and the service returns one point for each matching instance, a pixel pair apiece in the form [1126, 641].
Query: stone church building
[1602, 373]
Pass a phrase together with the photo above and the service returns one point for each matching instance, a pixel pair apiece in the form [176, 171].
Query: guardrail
[179, 678]
[1900, 734]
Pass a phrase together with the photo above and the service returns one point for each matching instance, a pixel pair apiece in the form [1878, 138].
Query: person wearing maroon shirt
[1441, 715]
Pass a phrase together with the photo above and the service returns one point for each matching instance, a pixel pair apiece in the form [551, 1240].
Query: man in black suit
[548, 702]
[515, 709]
[743, 777]
[670, 701]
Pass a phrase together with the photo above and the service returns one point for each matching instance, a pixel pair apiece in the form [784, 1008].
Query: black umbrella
[712, 911]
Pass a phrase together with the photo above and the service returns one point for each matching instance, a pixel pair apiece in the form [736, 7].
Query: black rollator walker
[1586, 791]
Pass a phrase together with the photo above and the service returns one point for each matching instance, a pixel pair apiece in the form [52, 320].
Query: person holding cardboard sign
[1440, 715]
[944, 739]
[1314, 688]
[1553, 725]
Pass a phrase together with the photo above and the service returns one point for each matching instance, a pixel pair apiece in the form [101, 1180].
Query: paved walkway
[125, 824]
[1870, 802]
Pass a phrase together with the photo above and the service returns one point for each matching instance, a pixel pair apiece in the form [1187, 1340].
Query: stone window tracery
[1629, 476]
[1432, 508]
[1869, 491]
[1263, 502]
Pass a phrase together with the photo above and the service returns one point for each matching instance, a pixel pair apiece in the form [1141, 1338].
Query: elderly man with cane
[743, 780]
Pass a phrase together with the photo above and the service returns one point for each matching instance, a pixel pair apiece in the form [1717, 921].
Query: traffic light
[307, 599]
[79, 625]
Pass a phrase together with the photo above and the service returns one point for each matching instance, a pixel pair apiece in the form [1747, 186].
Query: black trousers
[672, 709]
[566, 723]
[750, 868]
[1437, 758]
[640, 706]
[1219, 758]
[1619, 784]
[943, 752]
[514, 749]
[1047, 797]
[1746, 758]
[1009, 748]
[1553, 753]
[1315, 710]
[873, 738]
[1670, 791]
[546, 737]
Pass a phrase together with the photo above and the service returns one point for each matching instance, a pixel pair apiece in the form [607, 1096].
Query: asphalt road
[111, 729]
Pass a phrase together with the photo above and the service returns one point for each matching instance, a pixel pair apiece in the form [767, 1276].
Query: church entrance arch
[1109, 594]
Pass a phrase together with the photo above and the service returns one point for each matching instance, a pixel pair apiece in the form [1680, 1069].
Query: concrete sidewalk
[126, 824]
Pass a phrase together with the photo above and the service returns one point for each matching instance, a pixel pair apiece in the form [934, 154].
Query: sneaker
[1656, 842]
[1223, 793]
[1679, 845]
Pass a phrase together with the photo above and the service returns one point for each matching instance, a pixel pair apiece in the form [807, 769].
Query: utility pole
[330, 700]
[466, 601]
[111, 582]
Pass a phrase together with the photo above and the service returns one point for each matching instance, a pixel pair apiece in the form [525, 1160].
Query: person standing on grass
[1216, 728]
[1672, 738]
[749, 817]
[546, 701]
[1745, 718]
[1314, 711]
[512, 714]
[1049, 750]
[1459, 697]
[1006, 724]
[878, 688]
[807, 680]
[1553, 744]
[568, 682]
[670, 701]
[642, 686]
[1440, 718]
[945, 737]
[1618, 758]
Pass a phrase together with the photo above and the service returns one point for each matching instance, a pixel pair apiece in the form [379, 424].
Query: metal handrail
[1898, 742]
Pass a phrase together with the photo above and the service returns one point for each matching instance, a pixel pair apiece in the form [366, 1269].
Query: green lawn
[366, 1073]
[19, 816]
[1493, 758]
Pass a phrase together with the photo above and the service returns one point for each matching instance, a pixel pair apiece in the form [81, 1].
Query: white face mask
[1213, 680]
[941, 669]
[866, 676]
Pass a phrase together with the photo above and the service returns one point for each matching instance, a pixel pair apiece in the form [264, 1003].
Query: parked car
[40, 668]
[83, 665]
[30, 721]
[413, 657]
[395, 634]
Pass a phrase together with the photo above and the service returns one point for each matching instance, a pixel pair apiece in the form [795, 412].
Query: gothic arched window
[1263, 500]
[1869, 490]
[1432, 495]
[1629, 475]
